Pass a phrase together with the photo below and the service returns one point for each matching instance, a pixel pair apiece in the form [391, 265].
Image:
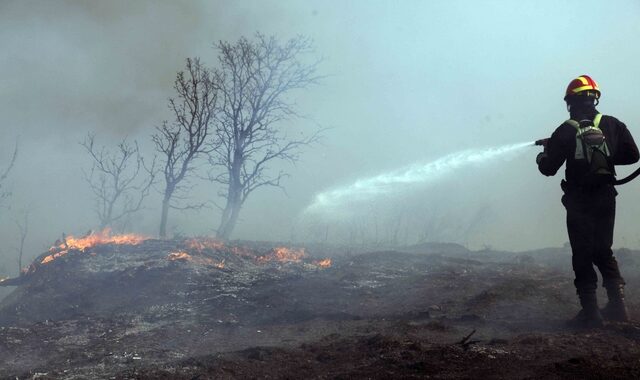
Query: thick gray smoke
[397, 76]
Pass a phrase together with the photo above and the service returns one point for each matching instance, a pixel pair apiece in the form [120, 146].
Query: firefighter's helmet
[583, 86]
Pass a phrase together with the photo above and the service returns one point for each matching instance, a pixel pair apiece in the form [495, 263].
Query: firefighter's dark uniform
[590, 209]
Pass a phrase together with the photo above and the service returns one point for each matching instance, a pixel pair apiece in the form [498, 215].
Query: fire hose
[629, 178]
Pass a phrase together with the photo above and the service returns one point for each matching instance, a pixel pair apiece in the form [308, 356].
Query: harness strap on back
[580, 149]
[576, 125]
[596, 121]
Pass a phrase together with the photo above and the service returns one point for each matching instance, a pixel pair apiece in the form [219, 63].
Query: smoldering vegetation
[132, 307]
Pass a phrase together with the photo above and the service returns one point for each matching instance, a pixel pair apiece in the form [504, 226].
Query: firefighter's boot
[589, 316]
[615, 310]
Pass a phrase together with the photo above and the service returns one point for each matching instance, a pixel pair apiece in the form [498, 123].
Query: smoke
[331, 202]
[392, 80]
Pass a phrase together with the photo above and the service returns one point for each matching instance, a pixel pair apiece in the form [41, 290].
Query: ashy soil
[430, 311]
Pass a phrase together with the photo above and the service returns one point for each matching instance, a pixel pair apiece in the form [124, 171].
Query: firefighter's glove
[540, 157]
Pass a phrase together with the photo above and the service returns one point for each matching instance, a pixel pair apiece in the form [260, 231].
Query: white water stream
[368, 189]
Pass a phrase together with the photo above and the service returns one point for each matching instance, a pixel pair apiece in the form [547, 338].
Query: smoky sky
[404, 82]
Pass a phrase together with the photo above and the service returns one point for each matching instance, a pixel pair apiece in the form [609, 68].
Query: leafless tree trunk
[4, 174]
[255, 79]
[23, 226]
[184, 140]
[117, 180]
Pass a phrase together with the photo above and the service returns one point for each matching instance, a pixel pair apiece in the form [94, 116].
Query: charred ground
[175, 309]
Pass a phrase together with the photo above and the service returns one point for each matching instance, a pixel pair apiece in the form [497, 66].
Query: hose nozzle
[541, 142]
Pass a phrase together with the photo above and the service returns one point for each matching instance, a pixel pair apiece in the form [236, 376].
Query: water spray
[368, 189]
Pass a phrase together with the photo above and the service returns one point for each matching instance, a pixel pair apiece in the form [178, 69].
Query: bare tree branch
[120, 180]
[255, 80]
[191, 206]
[23, 227]
[5, 194]
[186, 138]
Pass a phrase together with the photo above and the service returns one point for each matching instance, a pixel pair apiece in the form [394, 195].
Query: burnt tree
[256, 78]
[120, 181]
[23, 227]
[182, 141]
[4, 194]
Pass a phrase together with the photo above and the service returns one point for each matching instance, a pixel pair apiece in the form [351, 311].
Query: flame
[199, 260]
[283, 254]
[53, 256]
[325, 263]
[173, 256]
[98, 238]
[89, 241]
[197, 245]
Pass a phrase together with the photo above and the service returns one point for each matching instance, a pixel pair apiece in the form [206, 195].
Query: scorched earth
[124, 307]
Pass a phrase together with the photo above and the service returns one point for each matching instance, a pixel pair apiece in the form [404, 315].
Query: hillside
[198, 308]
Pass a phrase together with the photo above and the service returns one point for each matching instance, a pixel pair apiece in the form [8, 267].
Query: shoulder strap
[596, 121]
[576, 125]
[573, 123]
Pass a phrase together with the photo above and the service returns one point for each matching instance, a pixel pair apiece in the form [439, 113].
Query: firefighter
[591, 144]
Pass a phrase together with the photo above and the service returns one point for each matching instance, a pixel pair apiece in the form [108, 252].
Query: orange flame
[98, 238]
[283, 254]
[89, 241]
[52, 257]
[325, 263]
[173, 256]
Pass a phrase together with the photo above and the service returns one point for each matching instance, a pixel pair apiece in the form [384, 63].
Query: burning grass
[325, 263]
[98, 238]
[283, 255]
[92, 239]
[198, 250]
